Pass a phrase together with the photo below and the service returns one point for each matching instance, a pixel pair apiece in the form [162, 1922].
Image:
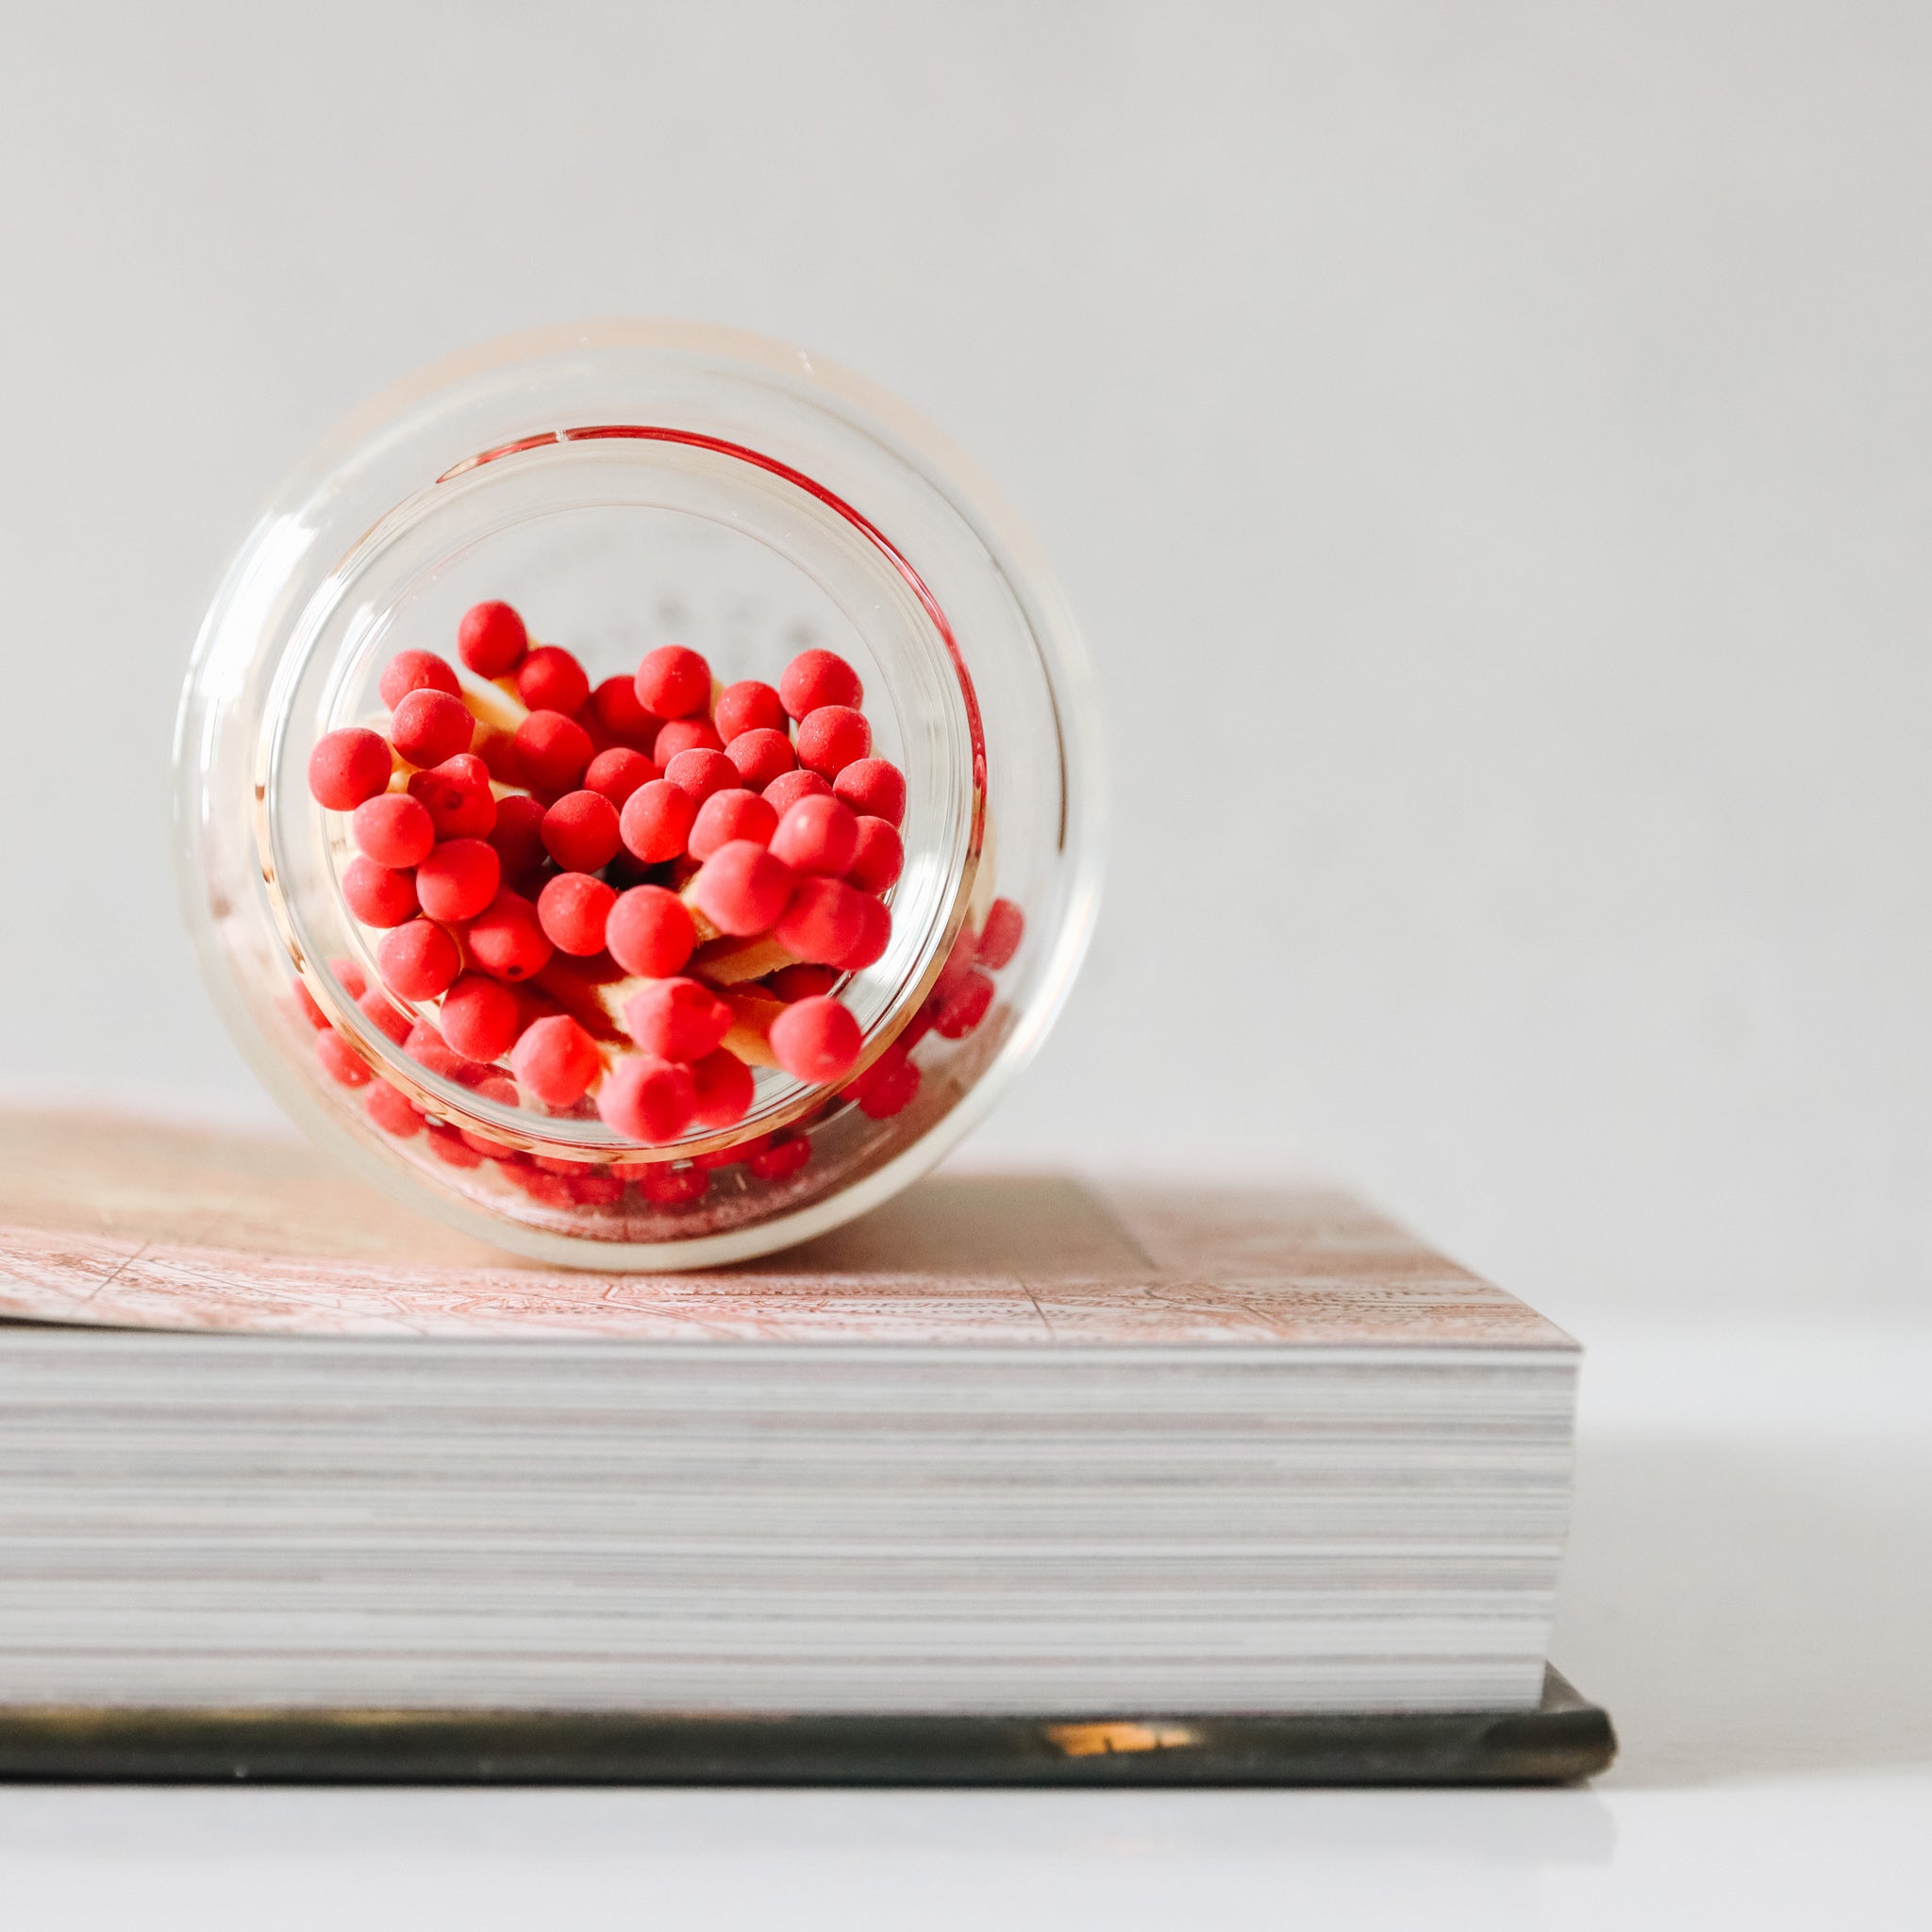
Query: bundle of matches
[631, 896]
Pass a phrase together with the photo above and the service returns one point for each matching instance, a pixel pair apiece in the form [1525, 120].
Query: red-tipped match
[491, 639]
[816, 1039]
[348, 767]
[816, 678]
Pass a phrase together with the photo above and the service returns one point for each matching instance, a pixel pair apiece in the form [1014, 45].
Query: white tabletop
[1747, 1591]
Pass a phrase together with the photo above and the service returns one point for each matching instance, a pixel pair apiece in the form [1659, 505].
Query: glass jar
[628, 486]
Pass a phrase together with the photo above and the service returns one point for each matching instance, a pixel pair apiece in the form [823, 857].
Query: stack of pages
[1008, 1445]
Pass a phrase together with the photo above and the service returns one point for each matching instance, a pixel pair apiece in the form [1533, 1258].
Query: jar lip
[518, 1128]
[621, 362]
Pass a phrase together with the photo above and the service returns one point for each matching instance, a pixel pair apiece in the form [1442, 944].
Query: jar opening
[468, 534]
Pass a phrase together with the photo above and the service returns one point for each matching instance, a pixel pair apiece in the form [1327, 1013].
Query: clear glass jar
[626, 486]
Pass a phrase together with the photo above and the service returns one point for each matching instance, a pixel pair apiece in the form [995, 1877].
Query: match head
[747, 707]
[550, 679]
[673, 682]
[573, 909]
[491, 639]
[816, 1039]
[816, 678]
[741, 888]
[832, 738]
[556, 1060]
[676, 1018]
[348, 767]
[650, 932]
[647, 1099]
[430, 725]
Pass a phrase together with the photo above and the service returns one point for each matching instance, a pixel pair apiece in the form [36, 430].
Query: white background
[1488, 446]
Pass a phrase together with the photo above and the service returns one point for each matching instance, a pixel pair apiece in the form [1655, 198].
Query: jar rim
[576, 1138]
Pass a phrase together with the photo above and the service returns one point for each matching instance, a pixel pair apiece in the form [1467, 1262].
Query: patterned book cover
[130, 1224]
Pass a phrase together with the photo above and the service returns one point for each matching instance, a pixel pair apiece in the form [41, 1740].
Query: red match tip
[760, 757]
[1000, 937]
[518, 834]
[425, 1045]
[747, 707]
[491, 639]
[676, 1018]
[958, 964]
[887, 1087]
[350, 977]
[875, 933]
[816, 678]
[348, 767]
[411, 670]
[825, 921]
[580, 831]
[552, 750]
[430, 725]
[724, 1089]
[550, 679]
[741, 888]
[458, 879]
[682, 735]
[648, 1100]
[384, 1014]
[595, 1187]
[649, 932]
[505, 938]
[394, 830]
[816, 1039]
[498, 751]
[556, 1060]
[730, 1156]
[879, 858]
[377, 896]
[780, 1159]
[457, 796]
[656, 820]
[817, 835]
[480, 1018]
[832, 738]
[965, 1007]
[391, 1110]
[729, 815]
[418, 960]
[801, 982]
[701, 772]
[782, 793]
[616, 773]
[341, 1060]
[450, 1147]
[547, 1190]
[673, 682]
[673, 1186]
[875, 788]
[572, 910]
[615, 701]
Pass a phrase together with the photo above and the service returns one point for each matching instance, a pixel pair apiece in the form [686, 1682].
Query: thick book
[1017, 1478]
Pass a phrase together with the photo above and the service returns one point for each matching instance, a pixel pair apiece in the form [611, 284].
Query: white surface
[1486, 445]
[1487, 448]
[1749, 1576]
